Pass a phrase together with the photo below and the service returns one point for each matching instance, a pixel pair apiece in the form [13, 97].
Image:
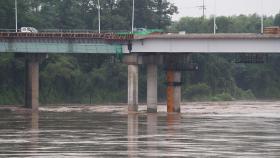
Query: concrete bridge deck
[207, 43]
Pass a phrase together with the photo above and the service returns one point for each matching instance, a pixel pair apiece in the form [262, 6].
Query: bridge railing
[81, 31]
[69, 30]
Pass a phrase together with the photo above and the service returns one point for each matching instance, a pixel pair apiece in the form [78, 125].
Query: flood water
[222, 129]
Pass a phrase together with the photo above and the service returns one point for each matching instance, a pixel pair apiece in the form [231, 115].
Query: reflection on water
[34, 132]
[152, 135]
[224, 129]
[35, 121]
[173, 122]
[132, 135]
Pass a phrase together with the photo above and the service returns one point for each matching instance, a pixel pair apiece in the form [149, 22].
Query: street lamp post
[262, 22]
[16, 15]
[99, 23]
[262, 25]
[215, 25]
[132, 23]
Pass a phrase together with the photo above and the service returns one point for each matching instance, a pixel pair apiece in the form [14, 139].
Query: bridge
[172, 50]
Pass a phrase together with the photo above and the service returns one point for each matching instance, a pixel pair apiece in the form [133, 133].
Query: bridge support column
[32, 80]
[132, 88]
[152, 88]
[132, 96]
[173, 91]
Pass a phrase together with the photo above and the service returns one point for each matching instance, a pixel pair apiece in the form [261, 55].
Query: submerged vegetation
[97, 79]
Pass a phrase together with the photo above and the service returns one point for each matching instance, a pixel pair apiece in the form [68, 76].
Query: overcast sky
[226, 7]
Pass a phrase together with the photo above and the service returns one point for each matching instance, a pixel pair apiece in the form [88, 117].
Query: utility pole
[16, 15]
[99, 23]
[132, 23]
[203, 7]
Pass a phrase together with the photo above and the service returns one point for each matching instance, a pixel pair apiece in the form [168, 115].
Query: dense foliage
[97, 78]
[233, 24]
[82, 14]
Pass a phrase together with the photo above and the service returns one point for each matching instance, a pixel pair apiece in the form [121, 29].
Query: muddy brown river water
[206, 129]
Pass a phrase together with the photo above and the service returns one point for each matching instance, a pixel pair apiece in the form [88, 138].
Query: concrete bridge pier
[173, 92]
[132, 88]
[152, 88]
[152, 60]
[174, 66]
[132, 96]
[32, 62]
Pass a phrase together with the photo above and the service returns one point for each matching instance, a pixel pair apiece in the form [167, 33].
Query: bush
[197, 92]
[222, 97]
[12, 96]
[243, 95]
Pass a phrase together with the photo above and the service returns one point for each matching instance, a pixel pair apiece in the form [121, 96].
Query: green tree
[163, 11]
[277, 20]
[192, 25]
[7, 14]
